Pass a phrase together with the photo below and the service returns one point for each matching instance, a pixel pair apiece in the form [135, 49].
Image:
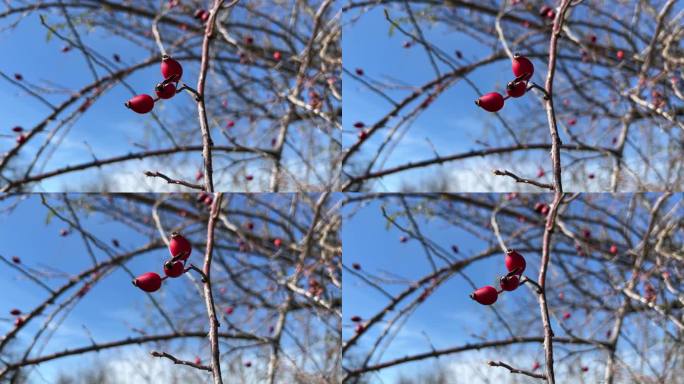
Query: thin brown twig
[516, 370]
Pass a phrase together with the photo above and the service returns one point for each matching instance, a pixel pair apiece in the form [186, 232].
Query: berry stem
[204, 277]
[191, 90]
[533, 85]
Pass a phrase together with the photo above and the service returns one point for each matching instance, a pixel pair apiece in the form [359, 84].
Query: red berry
[230, 124]
[17, 129]
[249, 177]
[585, 369]
[535, 366]
[614, 249]
[198, 361]
[249, 40]
[141, 103]
[179, 246]
[171, 68]
[522, 67]
[19, 321]
[21, 139]
[148, 282]
[15, 312]
[486, 295]
[277, 243]
[515, 262]
[363, 135]
[620, 55]
[540, 172]
[358, 328]
[356, 266]
[250, 225]
[248, 364]
[566, 315]
[356, 319]
[359, 71]
[510, 283]
[205, 16]
[174, 269]
[572, 121]
[544, 10]
[491, 102]
[359, 125]
[16, 260]
[277, 55]
[544, 209]
[165, 91]
[229, 310]
[18, 77]
[516, 89]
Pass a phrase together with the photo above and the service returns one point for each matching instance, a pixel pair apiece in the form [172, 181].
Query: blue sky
[106, 311]
[453, 124]
[449, 317]
[109, 129]
[113, 306]
[453, 121]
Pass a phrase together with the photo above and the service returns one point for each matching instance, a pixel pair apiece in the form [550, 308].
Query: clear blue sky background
[111, 305]
[452, 122]
[108, 127]
[449, 317]
[109, 310]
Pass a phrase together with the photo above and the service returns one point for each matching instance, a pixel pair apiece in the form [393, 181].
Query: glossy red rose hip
[510, 283]
[179, 246]
[515, 262]
[516, 89]
[165, 91]
[141, 103]
[522, 67]
[486, 295]
[174, 269]
[148, 282]
[171, 68]
[491, 102]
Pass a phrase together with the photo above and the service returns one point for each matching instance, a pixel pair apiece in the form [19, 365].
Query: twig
[518, 179]
[516, 370]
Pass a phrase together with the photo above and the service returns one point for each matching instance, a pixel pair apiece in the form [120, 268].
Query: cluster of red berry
[172, 72]
[523, 70]
[180, 250]
[515, 264]
[18, 319]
